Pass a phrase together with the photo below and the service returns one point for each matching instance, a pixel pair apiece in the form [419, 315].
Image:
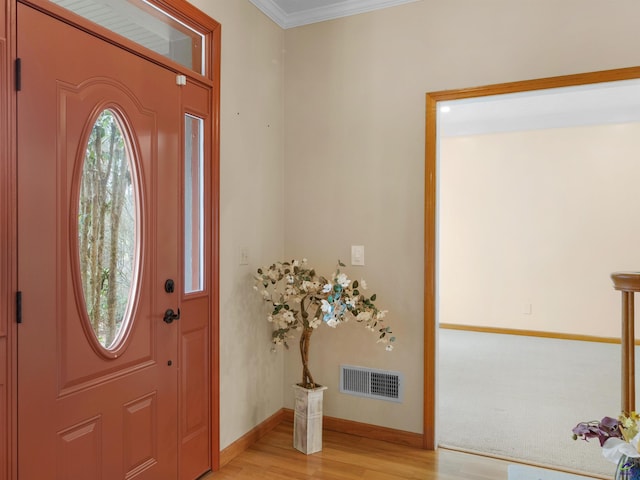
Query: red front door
[95, 405]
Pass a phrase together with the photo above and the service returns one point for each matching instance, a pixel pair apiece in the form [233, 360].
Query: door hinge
[18, 67]
[18, 307]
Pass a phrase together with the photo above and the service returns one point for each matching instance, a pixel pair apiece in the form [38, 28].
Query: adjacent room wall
[532, 224]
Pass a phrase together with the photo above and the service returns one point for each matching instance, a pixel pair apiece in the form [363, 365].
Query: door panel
[195, 334]
[91, 412]
[4, 408]
[194, 392]
[81, 363]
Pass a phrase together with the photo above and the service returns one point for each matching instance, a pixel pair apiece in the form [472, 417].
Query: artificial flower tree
[302, 300]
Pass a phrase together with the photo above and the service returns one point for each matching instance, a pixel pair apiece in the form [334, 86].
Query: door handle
[170, 316]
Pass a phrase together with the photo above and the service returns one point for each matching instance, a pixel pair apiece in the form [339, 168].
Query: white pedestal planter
[307, 419]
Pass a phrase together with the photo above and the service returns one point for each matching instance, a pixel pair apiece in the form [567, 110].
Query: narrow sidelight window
[193, 204]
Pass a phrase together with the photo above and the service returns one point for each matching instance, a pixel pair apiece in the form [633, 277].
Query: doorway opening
[476, 249]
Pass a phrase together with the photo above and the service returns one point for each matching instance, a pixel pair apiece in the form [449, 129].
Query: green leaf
[355, 284]
[356, 293]
[341, 264]
[392, 339]
[373, 297]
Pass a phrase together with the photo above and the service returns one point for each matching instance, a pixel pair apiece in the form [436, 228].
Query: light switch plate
[244, 256]
[357, 254]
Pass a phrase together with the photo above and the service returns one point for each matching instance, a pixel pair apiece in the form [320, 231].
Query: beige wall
[354, 144]
[348, 166]
[251, 208]
[533, 223]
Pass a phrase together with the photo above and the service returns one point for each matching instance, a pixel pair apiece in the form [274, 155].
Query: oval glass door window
[107, 230]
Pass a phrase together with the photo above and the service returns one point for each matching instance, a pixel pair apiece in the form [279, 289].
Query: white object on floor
[307, 421]
[524, 472]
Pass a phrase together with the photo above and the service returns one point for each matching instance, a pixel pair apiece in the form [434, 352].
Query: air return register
[371, 383]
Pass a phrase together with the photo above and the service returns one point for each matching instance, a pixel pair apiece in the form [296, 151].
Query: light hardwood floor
[347, 457]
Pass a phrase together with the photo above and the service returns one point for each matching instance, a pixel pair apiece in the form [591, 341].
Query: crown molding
[320, 14]
[271, 10]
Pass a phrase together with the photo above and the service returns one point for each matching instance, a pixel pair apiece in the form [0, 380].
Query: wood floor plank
[347, 457]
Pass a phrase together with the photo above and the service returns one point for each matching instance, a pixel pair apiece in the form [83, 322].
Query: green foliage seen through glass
[106, 229]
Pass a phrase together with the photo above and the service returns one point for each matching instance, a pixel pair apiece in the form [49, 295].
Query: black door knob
[170, 316]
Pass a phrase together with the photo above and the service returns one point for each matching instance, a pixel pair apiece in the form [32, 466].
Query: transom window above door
[148, 26]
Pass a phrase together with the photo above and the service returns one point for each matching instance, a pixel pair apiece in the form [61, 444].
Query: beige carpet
[519, 397]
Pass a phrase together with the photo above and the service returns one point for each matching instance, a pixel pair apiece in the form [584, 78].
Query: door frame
[188, 14]
[8, 241]
[430, 212]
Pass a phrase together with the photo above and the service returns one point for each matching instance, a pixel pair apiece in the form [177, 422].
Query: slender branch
[305, 341]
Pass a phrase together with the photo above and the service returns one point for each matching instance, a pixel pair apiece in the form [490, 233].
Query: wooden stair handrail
[628, 283]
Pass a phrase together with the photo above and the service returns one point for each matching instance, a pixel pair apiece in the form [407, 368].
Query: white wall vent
[371, 383]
